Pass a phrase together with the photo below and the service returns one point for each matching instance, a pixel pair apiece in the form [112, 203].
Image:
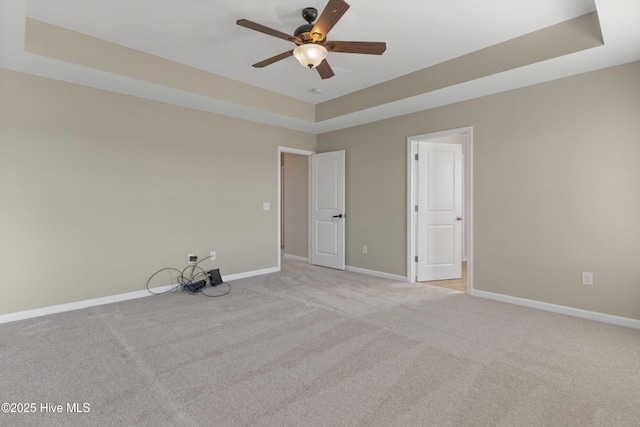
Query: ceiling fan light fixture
[311, 39]
[310, 54]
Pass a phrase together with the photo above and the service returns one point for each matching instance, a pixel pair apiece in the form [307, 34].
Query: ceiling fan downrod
[309, 14]
[311, 39]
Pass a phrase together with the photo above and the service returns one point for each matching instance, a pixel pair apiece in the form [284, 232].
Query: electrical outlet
[587, 278]
[192, 259]
[212, 255]
[365, 249]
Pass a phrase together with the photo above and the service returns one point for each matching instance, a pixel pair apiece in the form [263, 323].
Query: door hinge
[416, 208]
[416, 258]
[416, 157]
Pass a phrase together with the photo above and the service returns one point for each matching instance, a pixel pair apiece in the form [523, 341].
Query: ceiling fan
[311, 39]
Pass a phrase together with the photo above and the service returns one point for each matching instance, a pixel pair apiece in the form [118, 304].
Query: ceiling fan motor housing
[311, 39]
[303, 32]
[310, 14]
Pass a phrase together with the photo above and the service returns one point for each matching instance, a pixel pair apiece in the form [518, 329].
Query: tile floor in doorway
[455, 284]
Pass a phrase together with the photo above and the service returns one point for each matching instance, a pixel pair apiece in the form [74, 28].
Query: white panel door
[327, 209]
[439, 245]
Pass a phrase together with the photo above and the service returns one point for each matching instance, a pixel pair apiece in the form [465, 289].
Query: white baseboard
[248, 274]
[570, 311]
[60, 308]
[295, 257]
[381, 274]
[37, 312]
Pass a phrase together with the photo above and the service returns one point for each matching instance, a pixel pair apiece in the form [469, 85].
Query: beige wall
[99, 190]
[296, 205]
[556, 189]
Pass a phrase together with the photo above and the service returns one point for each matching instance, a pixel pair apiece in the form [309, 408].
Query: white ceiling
[418, 33]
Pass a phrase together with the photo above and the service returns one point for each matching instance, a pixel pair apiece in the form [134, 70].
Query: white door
[327, 209]
[439, 245]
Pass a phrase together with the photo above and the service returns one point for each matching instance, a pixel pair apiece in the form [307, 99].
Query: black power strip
[213, 279]
[195, 287]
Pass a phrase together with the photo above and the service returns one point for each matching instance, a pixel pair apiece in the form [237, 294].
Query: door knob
[337, 216]
[458, 218]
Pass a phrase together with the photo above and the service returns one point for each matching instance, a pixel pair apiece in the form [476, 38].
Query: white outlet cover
[587, 278]
[266, 206]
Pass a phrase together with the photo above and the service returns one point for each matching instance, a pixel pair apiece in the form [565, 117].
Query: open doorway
[294, 216]
[293, 204]
[324, 201]
[439, 229]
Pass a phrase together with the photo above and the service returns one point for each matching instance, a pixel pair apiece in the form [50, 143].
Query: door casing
[309, 155]
[412, 144]
[301, 153]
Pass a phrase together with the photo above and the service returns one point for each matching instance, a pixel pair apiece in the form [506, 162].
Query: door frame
[300, 152]
[412, 144]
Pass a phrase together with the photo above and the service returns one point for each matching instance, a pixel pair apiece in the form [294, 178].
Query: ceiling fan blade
[368, 48]
[325, 70]
[273, 59]
[331, 14]
[266, 30]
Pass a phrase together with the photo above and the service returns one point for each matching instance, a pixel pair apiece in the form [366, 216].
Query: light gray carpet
[316, 347]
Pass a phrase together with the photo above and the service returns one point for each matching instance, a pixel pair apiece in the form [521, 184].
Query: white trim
[295, 257]
[381, 274]
[61, 308]
[412, 149]
[290, 151]
[469, 205]
[569, 311]
[248, 274]
[295, 151]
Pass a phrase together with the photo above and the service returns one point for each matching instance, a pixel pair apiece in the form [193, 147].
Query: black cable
[221, 295]
[169, 290]
[193, 268]
[206, 275]
[186, 282]
[202, 260]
